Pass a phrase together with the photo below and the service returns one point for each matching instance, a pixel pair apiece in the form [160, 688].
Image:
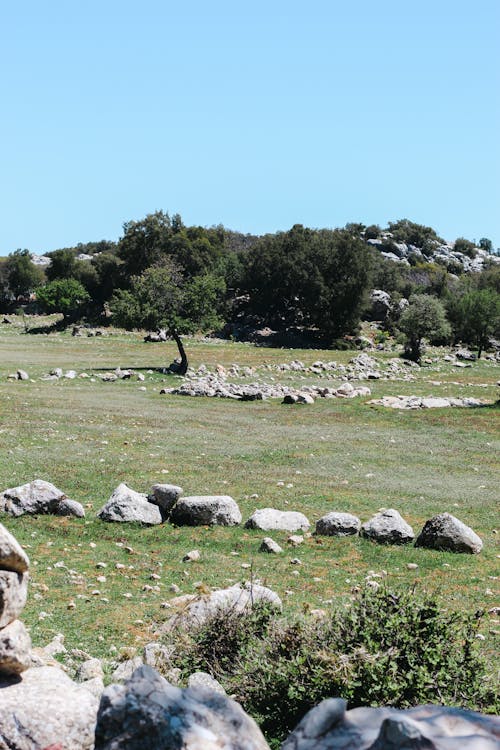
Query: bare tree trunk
[183, 366]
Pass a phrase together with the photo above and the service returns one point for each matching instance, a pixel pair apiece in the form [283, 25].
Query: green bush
[386, 647]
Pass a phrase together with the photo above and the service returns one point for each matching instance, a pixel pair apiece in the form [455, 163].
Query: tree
[161, 298]
[465, 246]
[63, 264]
[477, 317]
[66, 296]
[419, 235]
[21, 273]
[425, 316]
[486, 244]
[306, 277]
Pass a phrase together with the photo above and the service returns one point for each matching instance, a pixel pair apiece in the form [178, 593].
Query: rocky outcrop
[329, 726]
[270, 519]
[445, 532]
[126, 505]
[426, 402]
[39, 498]
[206, 510]
[388, 527]
[148, 713]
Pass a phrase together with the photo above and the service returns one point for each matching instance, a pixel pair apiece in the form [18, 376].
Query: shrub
[386, 647]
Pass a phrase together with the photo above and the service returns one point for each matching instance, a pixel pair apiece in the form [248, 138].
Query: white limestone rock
[270, 519]
[125, 506]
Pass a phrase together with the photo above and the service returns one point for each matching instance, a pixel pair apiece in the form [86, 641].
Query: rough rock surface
[12, 555]
[269, 545]
[429, 402]
[41, 498]
[13, 593]
[126, 505]
[44, 707]
[195, 610]
[388, 527]
[210, 510]
[147, 713]
[445, 532]
[15, 649]
[328, 726]
[165, 497]
[338, 524]
[270, 519]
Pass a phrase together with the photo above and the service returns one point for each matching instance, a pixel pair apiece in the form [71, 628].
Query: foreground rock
[270, 519]
[206, 510]
[12, 555]
[338, 524]
[43, 708]
[39, 498]
[193, 610]
[13, 593]
[445, 532]
[126, 505]
[15, 643]
[15, 649]
[147, 713]
[388, 527]
[329, 726]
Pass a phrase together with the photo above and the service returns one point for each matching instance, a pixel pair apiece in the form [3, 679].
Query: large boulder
[206, 510]
[338, 524]
[126, 505]
[39, 498]
[165, 497]
[13, 593]
[148, 713]
[388, 527]
[194, 610]
[43, 707]
[270, 519]
[12, 555]
[445, 532]
[328, 725]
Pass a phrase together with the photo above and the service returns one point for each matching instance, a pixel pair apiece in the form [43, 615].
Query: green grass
[344, 455]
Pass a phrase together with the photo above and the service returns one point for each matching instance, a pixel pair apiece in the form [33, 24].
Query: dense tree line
[162, 273]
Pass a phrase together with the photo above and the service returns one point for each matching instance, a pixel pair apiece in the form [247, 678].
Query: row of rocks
[426, 402]
[166, 502]
[215, 387]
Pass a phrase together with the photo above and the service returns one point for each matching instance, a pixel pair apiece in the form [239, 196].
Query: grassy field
[87, 436]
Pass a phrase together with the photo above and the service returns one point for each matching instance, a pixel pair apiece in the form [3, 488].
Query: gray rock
[44, 707]
[89, 670]
[165, 497]
[195, 611]
[338, 524]
[38, 498]
[269, 545]
[126, 505]
[388, 527]
[15, 648]
[205, 680]
[329, 726]
[206, 510]
[22, 375]
[445, 532]
[12, 555]
[158, 656]
[126, 668]
[147, 713]
[270, 519]
[13, 593]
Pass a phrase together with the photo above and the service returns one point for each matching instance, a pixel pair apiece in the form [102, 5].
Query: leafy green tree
[161, 298]
[21, 274]
[63, 264]
[425, 317]
[486, 244]
[66, 296]
[419, 235]
[476, 317]
[306, 277]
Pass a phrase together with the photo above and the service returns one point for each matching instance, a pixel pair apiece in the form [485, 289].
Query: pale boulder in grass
[388, 527]
[270, 519]
[13, 593]
[12, 555]
[165, 497]
[125, 506]
[206, 510]
[15, 649]
[39, 498]
[445, 532]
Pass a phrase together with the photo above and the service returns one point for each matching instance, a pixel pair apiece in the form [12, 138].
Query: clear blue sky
[257, 115]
